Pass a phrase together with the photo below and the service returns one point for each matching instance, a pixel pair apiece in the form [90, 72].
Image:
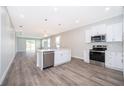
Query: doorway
[30, 45]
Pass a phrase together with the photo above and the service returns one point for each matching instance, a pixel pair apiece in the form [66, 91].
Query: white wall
[0, 42]
[7, 43]
[123, 41]
[21, 43]
[75, 40]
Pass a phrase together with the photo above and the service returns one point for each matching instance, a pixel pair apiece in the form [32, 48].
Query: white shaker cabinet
[86, 56]
[88, 36]
[62, 56]
[114, 32]
[113, 60]
[95, 30]
[98, 30]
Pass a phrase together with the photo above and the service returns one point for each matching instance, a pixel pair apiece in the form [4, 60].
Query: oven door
[97, 56]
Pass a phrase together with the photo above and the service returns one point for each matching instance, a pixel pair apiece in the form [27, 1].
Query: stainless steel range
[97, 54]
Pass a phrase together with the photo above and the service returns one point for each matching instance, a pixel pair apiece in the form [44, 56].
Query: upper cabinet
[113, 32]
[88, 36]
[98, 30]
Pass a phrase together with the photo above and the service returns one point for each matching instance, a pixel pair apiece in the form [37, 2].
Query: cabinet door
[101, 29]
[58, 58]
[86, 56]
[109, 36]
[108, 59]
[113, 60]
[62, 57]
[66, 56]
[88, 36]
[117, 30]
[114, 32]
[117, 60]
[94, 31]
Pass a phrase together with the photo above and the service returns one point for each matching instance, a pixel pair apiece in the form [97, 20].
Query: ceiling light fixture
[77, 21]
[22, 16]
[45, 35]
[45, 19]
[55, 9]
[59, 24]
[21, 26]
[107, 8]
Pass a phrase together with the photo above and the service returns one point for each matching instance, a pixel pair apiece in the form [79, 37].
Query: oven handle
[98, 51]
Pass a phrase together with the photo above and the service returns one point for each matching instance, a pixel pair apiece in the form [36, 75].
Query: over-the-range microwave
[98, 38]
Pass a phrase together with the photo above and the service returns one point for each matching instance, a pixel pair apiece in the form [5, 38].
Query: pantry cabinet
[113, 60]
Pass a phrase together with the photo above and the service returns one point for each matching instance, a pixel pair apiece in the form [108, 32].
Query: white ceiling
[32, 18]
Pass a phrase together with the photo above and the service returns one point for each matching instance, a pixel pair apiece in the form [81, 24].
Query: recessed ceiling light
[107, 8]
[55, 9]
[77, 21]
[22, 16]
[21, 26]
[59, 24]
[45, 19]
[45, 35]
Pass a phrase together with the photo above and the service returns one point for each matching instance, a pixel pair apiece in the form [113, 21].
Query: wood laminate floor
[23, 72]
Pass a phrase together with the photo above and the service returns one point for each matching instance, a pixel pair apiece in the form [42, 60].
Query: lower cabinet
[113, 60]
[62, 56]
[86, 56]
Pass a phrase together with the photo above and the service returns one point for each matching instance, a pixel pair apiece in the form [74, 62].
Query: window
[58, 41]
[30, 45]
[46, 43]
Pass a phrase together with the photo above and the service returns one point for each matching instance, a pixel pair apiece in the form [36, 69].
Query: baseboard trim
[20, 51]
[77, 57]
[6, 71]
[114, 68]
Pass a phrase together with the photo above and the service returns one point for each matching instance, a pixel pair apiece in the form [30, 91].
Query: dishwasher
[48, 59]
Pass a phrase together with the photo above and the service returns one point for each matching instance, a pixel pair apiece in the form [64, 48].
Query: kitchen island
[52, 57]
